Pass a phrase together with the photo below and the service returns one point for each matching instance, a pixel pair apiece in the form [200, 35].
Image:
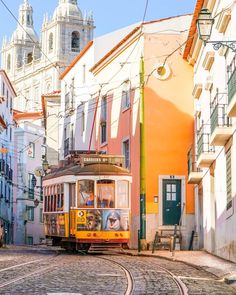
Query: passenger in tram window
[90, 200]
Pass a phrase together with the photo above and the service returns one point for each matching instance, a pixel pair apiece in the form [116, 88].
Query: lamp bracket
[218, 44]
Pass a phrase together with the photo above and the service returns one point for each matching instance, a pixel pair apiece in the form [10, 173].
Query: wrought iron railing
[219, 112]
[192, 162]
[231, 80]
[203, 143]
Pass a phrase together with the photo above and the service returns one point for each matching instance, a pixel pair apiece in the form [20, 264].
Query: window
[28, 19]
[72, 141]
[41, 215]
[30, 213]
[7, 98]
[103, 120]
[19, 61]
[125, 99]
[122, 194]
[66, 140]
[82, 123]
[85, 194]
[50, 42]
[171, 192]
[3, 89]
[229, 179]
[10, 134]
[75, 41]
[72, 194]
[67, 101]
[30, 240]
[31, 150]
[31, 184]
[29, 58]
[106, 193]
[8, 62]
[126, 96]
[126, 153]
[11, 104]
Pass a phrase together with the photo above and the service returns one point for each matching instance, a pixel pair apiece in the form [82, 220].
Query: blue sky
[109, 15]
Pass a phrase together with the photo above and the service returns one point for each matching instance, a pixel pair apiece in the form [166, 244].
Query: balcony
[195, 174]
[231, 110]
[206, 152]
[221, 125]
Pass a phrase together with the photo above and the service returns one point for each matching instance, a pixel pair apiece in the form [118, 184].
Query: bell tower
[65, 35]
[23, 46]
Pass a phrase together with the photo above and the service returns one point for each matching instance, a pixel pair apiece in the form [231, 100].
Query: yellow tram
[87, 201]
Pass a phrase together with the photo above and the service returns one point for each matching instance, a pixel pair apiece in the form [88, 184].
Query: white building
[79, 93]
[28, 195]
[34, 64]
[212, 159]
[7, 157]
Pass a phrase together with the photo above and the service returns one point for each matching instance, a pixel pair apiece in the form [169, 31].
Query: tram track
[130, 280]
[182, 288]
[39, 265]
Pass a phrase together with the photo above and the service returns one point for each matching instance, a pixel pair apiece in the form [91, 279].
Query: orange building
[144, 111]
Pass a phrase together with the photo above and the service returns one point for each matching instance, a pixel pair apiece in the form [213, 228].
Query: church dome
[67, 8]
[26, 34]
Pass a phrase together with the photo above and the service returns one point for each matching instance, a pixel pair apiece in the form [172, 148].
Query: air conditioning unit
[209, 83]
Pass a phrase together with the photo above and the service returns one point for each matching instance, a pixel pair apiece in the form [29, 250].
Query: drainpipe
[142, 157]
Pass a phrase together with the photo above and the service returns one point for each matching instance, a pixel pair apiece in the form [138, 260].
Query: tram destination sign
[102, 159]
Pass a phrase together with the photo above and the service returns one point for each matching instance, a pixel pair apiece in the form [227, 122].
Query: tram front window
[122, 194]
[106, 193]
[85, 194]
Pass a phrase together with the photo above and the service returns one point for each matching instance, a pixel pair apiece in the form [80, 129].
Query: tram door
[171, 201]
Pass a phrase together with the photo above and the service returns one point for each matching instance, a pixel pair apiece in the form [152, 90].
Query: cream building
[212, 159]
[34, 64]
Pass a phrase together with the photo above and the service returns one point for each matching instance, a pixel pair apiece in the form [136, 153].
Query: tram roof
[90, 169]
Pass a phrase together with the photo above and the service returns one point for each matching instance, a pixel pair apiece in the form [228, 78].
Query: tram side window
[54, 197]
[106, 193]
[122, 194]
[72, 195]
[85, 196]
[45, 203]
[62, 197]
[58, 198]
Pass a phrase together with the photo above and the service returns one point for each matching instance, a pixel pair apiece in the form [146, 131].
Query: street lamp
[205, 23]
[40, 172]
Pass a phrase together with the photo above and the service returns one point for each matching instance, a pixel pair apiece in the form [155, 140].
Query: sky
[109, 15]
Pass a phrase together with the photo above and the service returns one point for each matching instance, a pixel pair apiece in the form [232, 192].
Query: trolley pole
[142, 157]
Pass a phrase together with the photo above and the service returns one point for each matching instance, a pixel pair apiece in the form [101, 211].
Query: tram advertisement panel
[105, 220]
[54, 224]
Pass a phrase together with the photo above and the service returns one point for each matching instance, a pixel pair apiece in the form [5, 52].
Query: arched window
[9, 62]
[50, 42]
[29, 57]
[75, 41]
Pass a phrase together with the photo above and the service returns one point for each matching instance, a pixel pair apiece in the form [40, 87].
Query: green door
[171, 201]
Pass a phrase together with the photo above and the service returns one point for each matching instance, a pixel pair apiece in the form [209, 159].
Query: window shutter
[229, 179]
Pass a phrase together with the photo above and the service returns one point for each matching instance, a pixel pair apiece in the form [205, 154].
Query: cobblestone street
[30, 271]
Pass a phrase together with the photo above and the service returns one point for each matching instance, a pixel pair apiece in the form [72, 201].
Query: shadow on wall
[83, 126]
[221, 240]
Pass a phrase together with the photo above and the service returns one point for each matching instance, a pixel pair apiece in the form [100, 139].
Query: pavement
[220, 267]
